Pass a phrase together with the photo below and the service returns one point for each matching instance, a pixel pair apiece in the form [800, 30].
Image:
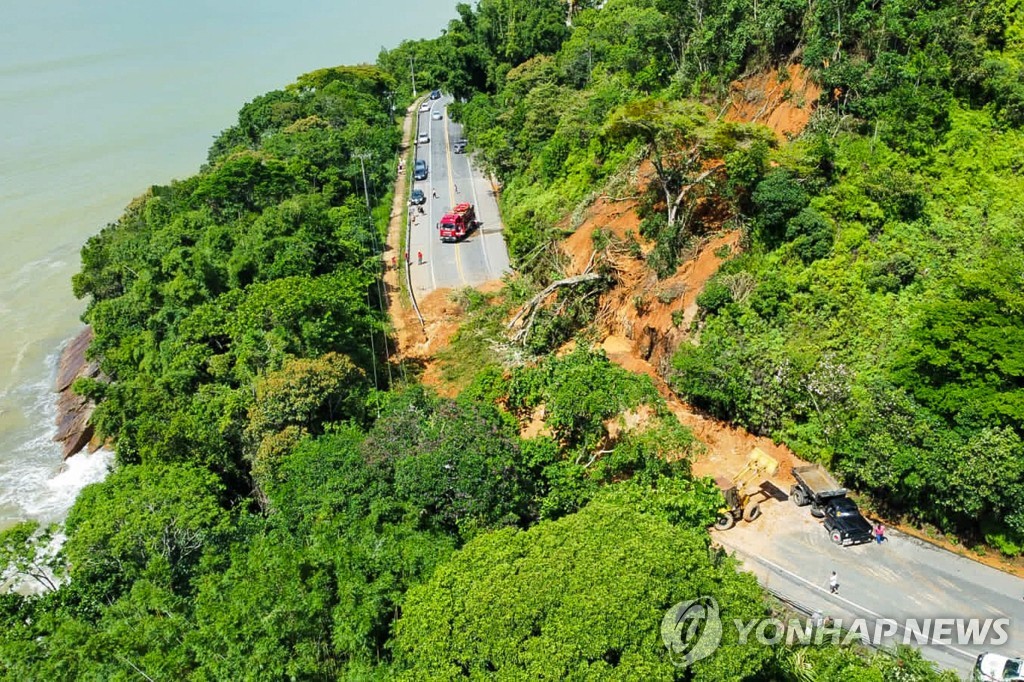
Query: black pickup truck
[843, 521]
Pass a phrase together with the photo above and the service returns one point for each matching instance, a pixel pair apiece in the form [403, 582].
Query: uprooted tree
[685, 147]
[522, 324]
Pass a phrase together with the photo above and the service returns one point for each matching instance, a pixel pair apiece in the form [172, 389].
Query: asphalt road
[482, 255]
[791, 554]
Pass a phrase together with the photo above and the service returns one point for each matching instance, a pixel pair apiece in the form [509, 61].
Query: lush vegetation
[872, 320]
[891, 348]
[281, 508]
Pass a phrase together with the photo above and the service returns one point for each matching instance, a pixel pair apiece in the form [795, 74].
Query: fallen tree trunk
[673, 212]
[529, 311]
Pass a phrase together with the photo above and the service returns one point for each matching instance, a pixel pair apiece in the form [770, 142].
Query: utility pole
[412, 72]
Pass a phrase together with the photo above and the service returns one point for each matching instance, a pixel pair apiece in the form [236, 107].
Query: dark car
[844, 522]
[459, 146]
[436, 94]
[420, 171]
[417, 197]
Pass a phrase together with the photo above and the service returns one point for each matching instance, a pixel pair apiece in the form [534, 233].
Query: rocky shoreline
[74, 431]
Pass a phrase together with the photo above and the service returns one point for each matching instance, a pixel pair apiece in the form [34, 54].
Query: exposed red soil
[636, 316]
[534, 426]
[782, 99]
[443, 315]
[654, 314]
[643, 318]
[726, 446]
[639, 316]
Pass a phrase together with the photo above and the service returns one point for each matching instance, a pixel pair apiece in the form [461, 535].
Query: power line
[373, 349]
[362, 156]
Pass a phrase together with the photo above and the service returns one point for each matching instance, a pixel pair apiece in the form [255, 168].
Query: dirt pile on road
[420, 345]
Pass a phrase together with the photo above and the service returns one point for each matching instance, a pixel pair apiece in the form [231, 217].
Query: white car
[997, 668]
[437, 116]
[425, 106]
[424, 138]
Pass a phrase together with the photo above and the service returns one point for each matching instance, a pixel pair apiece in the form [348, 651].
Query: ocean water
[98, 101]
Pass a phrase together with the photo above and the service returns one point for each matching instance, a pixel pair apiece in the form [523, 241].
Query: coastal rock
[73, 363]
[74, 431]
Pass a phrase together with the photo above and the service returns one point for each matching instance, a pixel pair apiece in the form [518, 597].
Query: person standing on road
[433, 192]
[879, 533]
[833, 583]
[419, 257]
[456, 187]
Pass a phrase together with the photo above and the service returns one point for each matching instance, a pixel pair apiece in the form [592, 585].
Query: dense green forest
[289, 504]
[873, 318]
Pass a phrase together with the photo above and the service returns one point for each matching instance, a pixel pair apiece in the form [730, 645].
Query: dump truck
[843, 521]
[457, 223]
[814, 486]
[742, 502]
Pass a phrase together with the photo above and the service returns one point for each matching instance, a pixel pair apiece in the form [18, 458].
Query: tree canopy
[280, 508]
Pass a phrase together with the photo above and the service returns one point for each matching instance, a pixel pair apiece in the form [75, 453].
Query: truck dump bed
[818, 481]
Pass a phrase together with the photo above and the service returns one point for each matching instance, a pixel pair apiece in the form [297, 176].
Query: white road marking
[451, 197]
[480, 229]
[851, 603]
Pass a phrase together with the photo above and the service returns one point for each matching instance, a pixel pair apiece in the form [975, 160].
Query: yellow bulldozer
[742, 502]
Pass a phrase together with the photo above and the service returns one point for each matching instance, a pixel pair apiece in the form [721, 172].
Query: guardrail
[408, 222]
[408, 278]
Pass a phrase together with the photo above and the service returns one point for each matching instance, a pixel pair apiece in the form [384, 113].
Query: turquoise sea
[98, 101]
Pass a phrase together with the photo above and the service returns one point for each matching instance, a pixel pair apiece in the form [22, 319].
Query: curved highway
[452, 179]
[903, 580]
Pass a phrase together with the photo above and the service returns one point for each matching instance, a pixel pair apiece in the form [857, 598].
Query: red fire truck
[458, 223]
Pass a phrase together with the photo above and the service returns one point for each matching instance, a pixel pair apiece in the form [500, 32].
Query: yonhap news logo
[692, 630]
